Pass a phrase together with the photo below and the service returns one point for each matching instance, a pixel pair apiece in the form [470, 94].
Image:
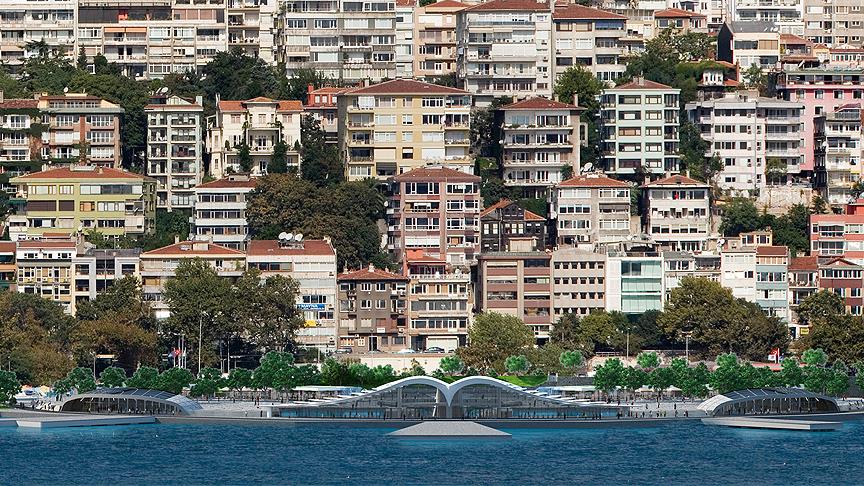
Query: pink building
[821, 91]
[839, 235]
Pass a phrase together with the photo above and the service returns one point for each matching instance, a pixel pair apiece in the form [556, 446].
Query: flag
[774, 357]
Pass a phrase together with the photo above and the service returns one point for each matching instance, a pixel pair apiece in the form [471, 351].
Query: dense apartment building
[404, 43]
[844, 278]
[159, 265]
[678, 213]
[393, 127]
[435, 39]
[591, 38]
[640, 122]
[175, 146]
[541, 144]
[821, 91]
[680, 21]
[74, 199]
[578, 282]
[96, 270]
[680, 264]
[591, 210]
[839, 235]
[518, 284]
[251, 27]
[220, 211]
[253, 130]
[634, 281]
[321, 104]
[838, 152]
[372, 310]
[440, 301]
[751, 43]
[803, 282]
[786, 14]
[21, 130]
[506, 226]
[639, 15]
[347, 40]
[834, 23]
[25, 21]
[8, 267]
[772, 280]
[738, 271]
[435, 211]
[312, 264]
[76, 122]
[45, 269]
[752, 135]
[505, 49]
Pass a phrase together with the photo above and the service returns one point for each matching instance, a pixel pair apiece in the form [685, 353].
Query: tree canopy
[492, 339]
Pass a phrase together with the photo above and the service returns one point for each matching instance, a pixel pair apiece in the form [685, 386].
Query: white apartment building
[678, 214]
[591, 210]
[220, 211]
[251, 24]
[838, 149]
[18, 143]
[175, 147]
[749, 43]
[787, 14]
[639, 14]
[23, 21]
[404, 50]
[639, 128]
[45, 269]
[589, 37]
[348, 40]
[634, 282]
[834, 23]
[541, 139]
[738, 272]
[97, 269]
[578, 282]
[396, 126]
[747, 131]
[505, 49]
[312, 264]
[260, 123]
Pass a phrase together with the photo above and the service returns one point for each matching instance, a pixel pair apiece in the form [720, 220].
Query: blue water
[674, 453]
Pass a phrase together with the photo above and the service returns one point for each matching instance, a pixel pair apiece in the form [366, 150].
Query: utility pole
[200, 338]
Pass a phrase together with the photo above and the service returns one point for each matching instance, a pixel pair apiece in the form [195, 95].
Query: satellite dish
[283, 236]
[587, 167]
[289, 236]
[298, 237]
[66, 89]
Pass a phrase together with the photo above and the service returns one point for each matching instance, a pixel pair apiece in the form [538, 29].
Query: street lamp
[687, 335]
[200, 339]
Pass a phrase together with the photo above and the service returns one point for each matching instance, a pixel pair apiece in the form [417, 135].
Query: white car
[406, 351]
[27, 397]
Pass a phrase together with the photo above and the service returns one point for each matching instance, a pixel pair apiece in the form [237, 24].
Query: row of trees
[729, 374]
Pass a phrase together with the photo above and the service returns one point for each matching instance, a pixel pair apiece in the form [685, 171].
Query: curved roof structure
[133, 400]
[768, 400]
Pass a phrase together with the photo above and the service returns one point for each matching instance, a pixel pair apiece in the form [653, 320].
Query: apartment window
[365, 304]
[407, 119]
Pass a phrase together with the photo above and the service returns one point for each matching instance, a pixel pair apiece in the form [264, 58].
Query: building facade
[589, 37]
[838, 152]
[772, 280]
[175, 148]
[591, 210]
[220, 211]
[506, 226]
[751, 43]
[517, 284]
[678, 213]
[81, 123]
[834, 23]
[97, 269]
[634, 282]
[435, 39]
[393, 127]
[24, 21]
[21, 131]
[372, 310]
[45, 269]
[578, 282]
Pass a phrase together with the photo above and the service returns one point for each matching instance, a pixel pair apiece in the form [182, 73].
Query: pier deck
[772, 423]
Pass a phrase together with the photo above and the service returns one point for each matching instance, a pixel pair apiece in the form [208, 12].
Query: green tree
[660, 379]
[517, 364]
[272, 364]
[727, 375]
[335, 373]
[816, 378]
[451, 365]
[492, 338]
[174, 380]
[321, 163]
[9, 387]
[145, 377]
[740, 216]
[842, 337]
[244, 156]
[486, 129]
[266, 309]
[112, 377]
[820, 307]
[792, 229]
[297, 85]
[239, 378]
[235, 76]
[82, 380]
[838, 381]
[814, 357]
[634, 379]
[648, 360]
[566, 330]
[610, 375]
[279, 160]
[572, 360]
[602, 331]
[578, 85]
[790, 373]
[859, 373]
[208, 382]
[693, 150]
[695, 382]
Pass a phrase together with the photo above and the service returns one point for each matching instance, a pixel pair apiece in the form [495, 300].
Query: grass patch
[526, 381]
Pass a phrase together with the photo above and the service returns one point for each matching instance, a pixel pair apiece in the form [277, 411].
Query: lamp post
[687, 345]
[200, 338]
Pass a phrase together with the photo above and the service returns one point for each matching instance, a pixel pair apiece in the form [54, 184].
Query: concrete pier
[771, 423]
[83, 421]
[8, 422]
[449, 430]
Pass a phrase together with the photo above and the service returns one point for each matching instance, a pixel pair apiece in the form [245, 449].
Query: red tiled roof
[405, 3]
[804, 263]
[329, 90]
[370, 273]
[227, 183]
[529, 216]
[676, 180]
[642, 84]
[677, 13]
[177, 249]
[426, 173]
[772, 250]
[14, 104]
[258, 248]
[445, 4]
[239, 105]
[792, 38]
[540, 104]
[593, 180]
[46, 244]
[96, 173]
[7, 246]
[579, 12]
[839, 262]
[420, 256]
[511, 5]
[406, 86]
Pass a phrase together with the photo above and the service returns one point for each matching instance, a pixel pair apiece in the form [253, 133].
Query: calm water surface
[679, 453]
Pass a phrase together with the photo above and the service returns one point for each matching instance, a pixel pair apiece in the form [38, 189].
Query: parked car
[435, 349]
[406, 351]
[344, 350]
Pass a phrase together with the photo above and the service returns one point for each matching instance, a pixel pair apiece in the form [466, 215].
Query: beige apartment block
[174, 149]
[394, 127]
[23, 21]
[45, 269]
[753, 43]
[251, 26]
[260, 123]
[834, 22]
[591, 210]
[680, 21]
[517, 284]
[76, 122]
[588, 37]
[372, 310]
[786, 14]
[220, 211]
[435, 38]
[578, 282]
[678, 214]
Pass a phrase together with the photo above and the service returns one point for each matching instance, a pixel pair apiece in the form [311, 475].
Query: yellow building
[83, 198]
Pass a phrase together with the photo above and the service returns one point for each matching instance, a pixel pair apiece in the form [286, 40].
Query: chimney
[371, 267]
[199, 100]
[1, 96]
[176, 239]
[310, 88]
